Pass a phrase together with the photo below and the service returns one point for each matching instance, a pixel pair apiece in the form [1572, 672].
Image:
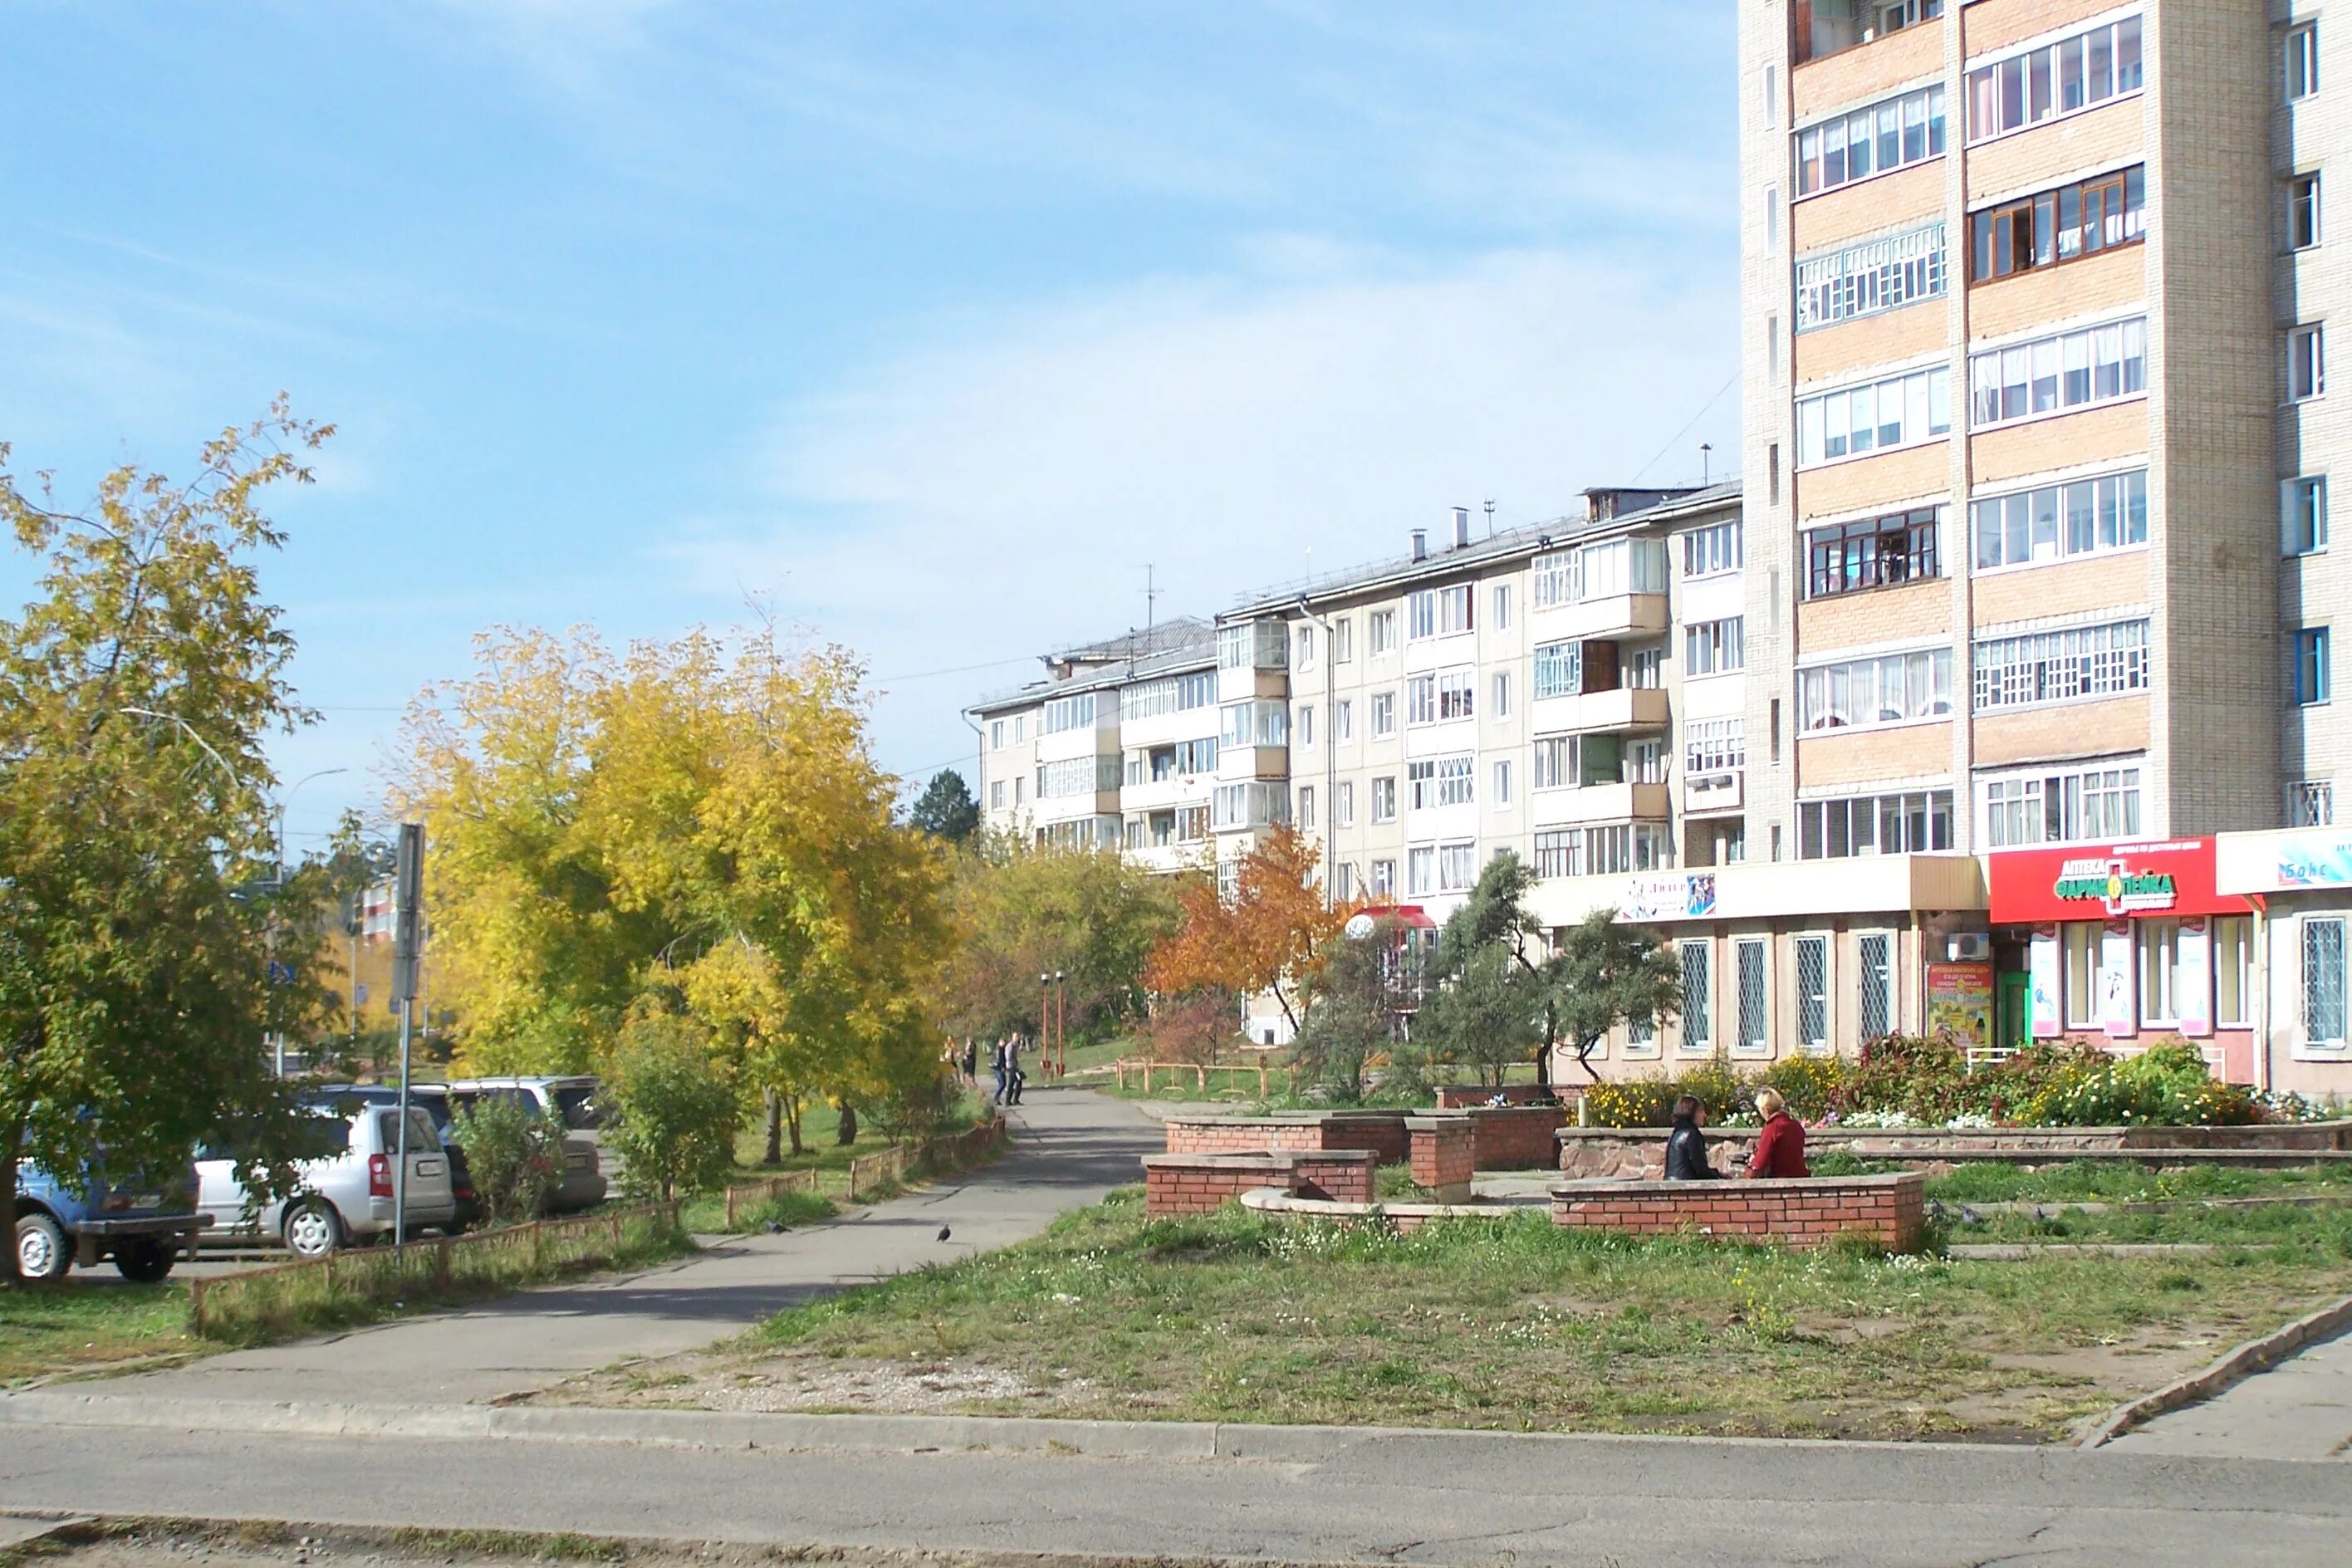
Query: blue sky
[926, 325]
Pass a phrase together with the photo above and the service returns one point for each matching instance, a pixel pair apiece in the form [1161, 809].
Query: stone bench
[1201, 1183]
[1807, 1211]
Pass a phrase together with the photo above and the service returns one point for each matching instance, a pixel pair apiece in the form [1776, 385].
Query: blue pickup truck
[145, 1227]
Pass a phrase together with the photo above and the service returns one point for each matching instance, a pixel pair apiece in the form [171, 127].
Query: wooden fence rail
[1147, 1073]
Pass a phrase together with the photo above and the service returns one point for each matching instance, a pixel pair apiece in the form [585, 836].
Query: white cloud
[1002, 493]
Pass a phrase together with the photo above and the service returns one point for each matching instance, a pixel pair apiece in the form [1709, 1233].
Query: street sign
[280, 974]
[407, 922]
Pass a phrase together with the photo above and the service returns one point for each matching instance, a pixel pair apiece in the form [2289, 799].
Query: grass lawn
[46, 1329]
[2128, 1180]
[1511, 1324]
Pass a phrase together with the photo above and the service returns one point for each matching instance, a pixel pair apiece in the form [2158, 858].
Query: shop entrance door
[2012, 1011]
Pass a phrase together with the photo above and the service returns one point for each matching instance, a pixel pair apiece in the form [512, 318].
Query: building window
[2323, 982]
[1560, 669]
[1421, 870]
[1646, 761]
[2311, 802]
[1502, 621]
[1019, 786]
[1305, 658]
[1712, 550]
[1078, 775]
[1551, 578]
[1454, 691]
[1617, 568]
[997, 734]
[1382, 625]
[1457, 867]
[1870, 277]
[1438, 611]
[1602, 851]
[1343, 722]
[1502, 784]
[2307, 364]
[2070, 666]
[2304, 511]
[1916, 823]
[2302, 61]
[1065, 713]
[1874, 552]
[2078, 955]
[1383, 881]
[1383, 714]
[1713, 747]
[1258, 722]
[1502, 695]
[1813, 992]
[1712, 647]
[2058, 521]
[1253, 645]
[1343, 804]
[1699, 1028]
[1754, 964]
[1384, 799]
[1306, 816]
[1421, 699]
[2071, 221]
[2233, 969]
[1193, 824]
[1255, 804]
[2050, 375]
[1872, 953]
[1306, 724]
[2054, 80]
[2311, 676]
[1645, 668]
[1900, 411]
[1020, 728]
[1176, 694]
[1890, 135]
[1343, 641]
[2303, 212]
[1896, 689]
[1556, 761]
[2160, 971]
[2088, 807]
[1835, 25]
[996, 796]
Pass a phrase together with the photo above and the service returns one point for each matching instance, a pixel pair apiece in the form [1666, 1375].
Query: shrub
[516, 1156]
[1811, 1085]
[1630, 1102]
[673, 1116]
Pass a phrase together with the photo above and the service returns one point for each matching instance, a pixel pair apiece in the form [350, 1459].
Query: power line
[1686, 429]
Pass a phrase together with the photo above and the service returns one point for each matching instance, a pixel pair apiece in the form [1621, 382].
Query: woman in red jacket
[1780, 1147]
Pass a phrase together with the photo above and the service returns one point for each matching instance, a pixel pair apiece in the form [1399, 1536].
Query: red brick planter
[1890, 1210]
[1443, 1153]
[1198, 1184]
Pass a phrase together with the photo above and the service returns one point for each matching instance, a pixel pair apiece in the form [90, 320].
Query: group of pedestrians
[1780, 1149]
[1005, 1061]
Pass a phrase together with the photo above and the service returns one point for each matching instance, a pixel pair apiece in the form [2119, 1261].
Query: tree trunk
[9, 1278]
[847, 1133]
[792, 1119]
[774, 1152]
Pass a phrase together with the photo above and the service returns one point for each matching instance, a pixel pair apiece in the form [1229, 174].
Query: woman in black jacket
[1686, 1145]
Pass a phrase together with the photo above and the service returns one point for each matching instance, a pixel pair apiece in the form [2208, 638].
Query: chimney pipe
[1460, 527]
[1421, 545]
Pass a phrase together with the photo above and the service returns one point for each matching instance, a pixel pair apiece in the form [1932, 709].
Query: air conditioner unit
[1972, 946]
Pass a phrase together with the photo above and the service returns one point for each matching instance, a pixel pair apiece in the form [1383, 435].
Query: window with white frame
[1065, 713]
[1020, 728]
[2079, 369]
[1305, 658]
[2300, 62]
[1712, 647]
[2079, 959]
[1420, 870]
[1457, 867]
[1502, 795]
[1174, 694]
[1753, 962]
[1713, 550]
[996, 796]
[2234, 984]
[1618, 566]
[1018, 784]
[2303, 514]
[1383, 714]
[1260, 721]
[1343, 722]
[2077, 805]
[1892, 688]
[1697, 958]
[2306, 363]
[1421, 699]
[1555, 761]
[1499, 698]
[1438, 611]
[1812, 954]
[1343, 804]
[2049, 81]
[1879, 415]
[1255, 804]
[1194, 822]
[1501, 620]
[2058, 522]
[2301, 211]
[2078, 664]
[1455, 689]
[1714, 746]
[1560, 669]
[2314, 679]
[1553, 579]
[1456, 781]
[1645, 667]
[1871, 276]
[1646, 761]
[1874, 965]
[2323, 982]
[1383, 879]
[997, 734]
[1306, 725]
[1897, 133]
[1914, 821]
[2311, 802]
[1343, 639]
[1381, 625]
[1304, 815]
[1384, 805]
[1253, 645]
[2160, 971]
[1078, 775]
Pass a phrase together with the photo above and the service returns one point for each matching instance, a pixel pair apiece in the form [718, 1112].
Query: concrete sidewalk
[1070, 1148]
[2299, 1409]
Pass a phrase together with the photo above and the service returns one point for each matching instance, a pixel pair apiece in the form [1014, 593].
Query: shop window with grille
[1755, 961]
[1698, 1024]
[2323, 984]
[1874, 959]
[1813, 992]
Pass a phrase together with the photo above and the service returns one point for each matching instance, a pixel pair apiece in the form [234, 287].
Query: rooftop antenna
[1706, 459]
[1490, 517]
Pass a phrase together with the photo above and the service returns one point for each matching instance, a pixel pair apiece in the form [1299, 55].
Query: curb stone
[2255, 1356]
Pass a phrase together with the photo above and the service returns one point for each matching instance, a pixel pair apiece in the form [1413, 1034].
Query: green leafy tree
[946, 809]
[1603, 975]
[515, 1154]
[138, 885]
[1352, 1000]
[675, 1113]
[1486, 1015]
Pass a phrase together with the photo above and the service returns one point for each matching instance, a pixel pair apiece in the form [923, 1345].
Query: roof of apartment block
[1169, 646]
[1524, 539]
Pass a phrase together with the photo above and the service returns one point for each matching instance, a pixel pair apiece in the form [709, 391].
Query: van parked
[345, 1187]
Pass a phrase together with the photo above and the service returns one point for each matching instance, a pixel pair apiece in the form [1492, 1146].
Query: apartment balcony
[1609, 618]
[1160, 795]
[1253, 763]
[1087, 740]
[1628, 708]
[1723, 791]
[1168, 859]
[1600, 802]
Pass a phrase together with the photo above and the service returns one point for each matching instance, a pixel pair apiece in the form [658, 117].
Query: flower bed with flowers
[1909, 1081]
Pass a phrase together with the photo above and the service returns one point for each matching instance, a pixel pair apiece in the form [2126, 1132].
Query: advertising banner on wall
[2107, 881]
[2118, 1012]
[2042, 959]
[1959, 1003]
[2193, 978]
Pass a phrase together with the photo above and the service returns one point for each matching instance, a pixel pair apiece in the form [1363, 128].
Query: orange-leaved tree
[1269, 936]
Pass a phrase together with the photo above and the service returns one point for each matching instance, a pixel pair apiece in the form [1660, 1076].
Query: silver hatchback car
[346, 1190]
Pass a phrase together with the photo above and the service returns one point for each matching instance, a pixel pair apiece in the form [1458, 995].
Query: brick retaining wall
[1629, 1152]
[1517, 1137]
[1382, 1132]
[1890, 1210]
[1463, 1096]
[1198, 1184]
[1444, 1156]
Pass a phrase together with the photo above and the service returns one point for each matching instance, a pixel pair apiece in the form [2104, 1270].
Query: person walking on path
[971, 1061]
[1014, 1077]
[1780, 1147]
[1687, 1157]
[996, 1059]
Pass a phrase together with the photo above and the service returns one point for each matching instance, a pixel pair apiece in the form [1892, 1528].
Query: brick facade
[1202, 1184]
[1890, 1210]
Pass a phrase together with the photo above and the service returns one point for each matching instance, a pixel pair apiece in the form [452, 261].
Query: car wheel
[42, 1250]
[143, 1260]
[313, 1228]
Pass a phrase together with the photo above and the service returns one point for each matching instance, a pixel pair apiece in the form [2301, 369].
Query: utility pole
[408, 925]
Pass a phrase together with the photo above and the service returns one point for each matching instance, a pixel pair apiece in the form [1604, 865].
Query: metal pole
[400, 1172]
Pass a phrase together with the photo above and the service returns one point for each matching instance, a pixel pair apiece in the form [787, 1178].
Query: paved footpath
[2300, 1409]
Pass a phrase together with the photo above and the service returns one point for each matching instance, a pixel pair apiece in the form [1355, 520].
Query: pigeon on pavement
[943, 1233]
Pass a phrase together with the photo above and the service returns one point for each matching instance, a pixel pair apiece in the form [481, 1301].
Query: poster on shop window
[2192, 975]
[2041, 961]
[2116, 1011]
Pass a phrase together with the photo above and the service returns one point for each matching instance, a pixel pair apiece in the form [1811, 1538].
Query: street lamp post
[1061, 1024]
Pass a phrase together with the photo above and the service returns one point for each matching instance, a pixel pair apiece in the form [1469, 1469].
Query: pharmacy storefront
[2126, 944]
[2300, 882]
